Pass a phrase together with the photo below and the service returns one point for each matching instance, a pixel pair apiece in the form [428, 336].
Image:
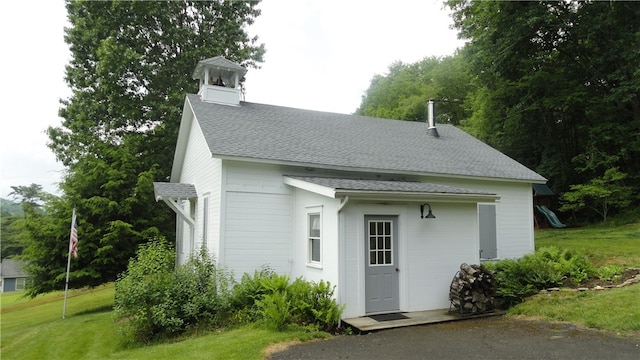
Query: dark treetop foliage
[555, 85]
[131, 65]
[559, 83]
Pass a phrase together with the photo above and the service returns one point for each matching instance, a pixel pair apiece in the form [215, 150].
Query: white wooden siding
[430, 252]
[329, 237]
[435, 249]
[514, 213]
[257, 218]
[204, 171]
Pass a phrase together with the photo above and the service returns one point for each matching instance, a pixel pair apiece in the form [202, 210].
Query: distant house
[12, 277]
[386, 210]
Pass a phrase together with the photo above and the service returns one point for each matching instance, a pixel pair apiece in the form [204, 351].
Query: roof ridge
[322, 139]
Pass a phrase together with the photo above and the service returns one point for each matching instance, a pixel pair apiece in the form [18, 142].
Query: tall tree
[14, 225]
[130, 67]
[11, 224]
[559, 83]
[403, 92]
[31, 198]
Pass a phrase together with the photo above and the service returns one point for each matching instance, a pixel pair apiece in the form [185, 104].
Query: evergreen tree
[130, 68]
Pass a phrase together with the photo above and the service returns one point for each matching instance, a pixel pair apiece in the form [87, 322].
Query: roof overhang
[174, 191]
[387, 190]
[172, 194]
[371, 170]
[219, 64]
[542, 190]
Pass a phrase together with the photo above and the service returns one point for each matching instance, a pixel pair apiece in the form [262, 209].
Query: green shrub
[143, 288]
[540, 271]
[275, 283]
[275, 310]
[547, 267]
[511, 287]
[299, 303]
[610, 272]
[579, 270]
[157, 300]
[326, 312]
[246, 293]
[202, 291]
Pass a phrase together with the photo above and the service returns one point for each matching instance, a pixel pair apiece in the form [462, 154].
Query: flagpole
[66, 284]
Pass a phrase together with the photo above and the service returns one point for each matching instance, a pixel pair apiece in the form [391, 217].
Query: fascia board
[183, 138]
[314, 188]
[415, 196]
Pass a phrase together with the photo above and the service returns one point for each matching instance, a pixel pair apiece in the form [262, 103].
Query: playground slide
[551, 216]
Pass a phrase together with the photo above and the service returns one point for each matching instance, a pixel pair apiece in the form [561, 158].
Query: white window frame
[21, 283]
[315, 212]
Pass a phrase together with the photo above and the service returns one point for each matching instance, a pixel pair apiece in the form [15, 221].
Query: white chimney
[219, 80]
[432, 123]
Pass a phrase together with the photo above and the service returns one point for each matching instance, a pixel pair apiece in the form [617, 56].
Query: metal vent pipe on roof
[430, 117]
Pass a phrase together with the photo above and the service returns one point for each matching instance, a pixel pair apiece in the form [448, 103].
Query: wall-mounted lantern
[429, 214]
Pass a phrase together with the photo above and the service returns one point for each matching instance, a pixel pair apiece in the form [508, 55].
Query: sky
[321, 55]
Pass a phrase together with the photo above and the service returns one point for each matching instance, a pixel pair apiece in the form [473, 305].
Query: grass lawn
[619, 245]
[615, 310]
[34, 329]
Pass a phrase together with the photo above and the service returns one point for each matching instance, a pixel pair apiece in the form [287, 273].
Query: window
[21, 283]
[314, 236]
[205, 219]
[380, 242]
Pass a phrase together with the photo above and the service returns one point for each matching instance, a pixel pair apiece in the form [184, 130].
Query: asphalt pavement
[486, 338]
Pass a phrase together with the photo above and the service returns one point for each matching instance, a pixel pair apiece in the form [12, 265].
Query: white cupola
[219, 80]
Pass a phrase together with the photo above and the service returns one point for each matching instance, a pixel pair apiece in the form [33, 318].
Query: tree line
[552, 84]
[130, 67]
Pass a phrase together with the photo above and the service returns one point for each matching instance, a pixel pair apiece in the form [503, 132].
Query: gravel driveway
[487, 338]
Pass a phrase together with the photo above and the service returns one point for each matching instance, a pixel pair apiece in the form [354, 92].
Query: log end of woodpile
[473, 290]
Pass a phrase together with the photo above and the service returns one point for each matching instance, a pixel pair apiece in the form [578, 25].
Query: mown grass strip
[615, 310]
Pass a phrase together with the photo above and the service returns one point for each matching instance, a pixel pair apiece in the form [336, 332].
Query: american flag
[73, 239]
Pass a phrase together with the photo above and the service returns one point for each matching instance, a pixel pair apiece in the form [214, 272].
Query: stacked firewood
[472, 290]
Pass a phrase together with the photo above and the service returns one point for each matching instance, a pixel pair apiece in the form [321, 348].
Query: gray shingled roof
[386, 185]
[322, 139]
[11, 268]
[174, 190]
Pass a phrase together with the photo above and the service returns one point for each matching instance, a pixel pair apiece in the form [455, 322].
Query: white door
[382, 284]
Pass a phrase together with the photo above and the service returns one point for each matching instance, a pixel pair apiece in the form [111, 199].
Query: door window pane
[380, 242]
